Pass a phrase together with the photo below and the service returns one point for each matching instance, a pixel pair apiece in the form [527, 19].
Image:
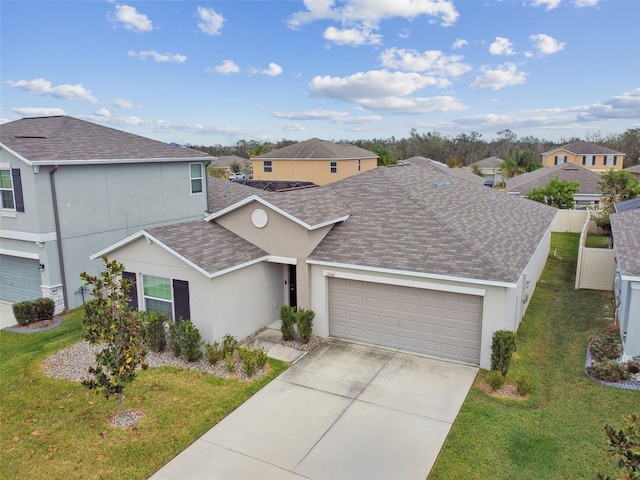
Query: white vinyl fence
[596, 266]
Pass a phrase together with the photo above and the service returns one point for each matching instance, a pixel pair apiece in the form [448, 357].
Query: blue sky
[217, 72]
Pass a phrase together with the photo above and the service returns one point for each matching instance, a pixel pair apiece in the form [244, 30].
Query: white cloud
[432, 61]
[501, 46]
[291, 127]
[210, 21]
[131, 19]
[545, 44]
[40, 86]
[38, 112]
[102, 112]
[549, 4]
[459, 43]
[626, 105]
[384, 91]
[226, 67]
[504, 76]
[158, 57]
[585, 3]
[273, 71]
[352, 36]
[124, 103]
[333, 116]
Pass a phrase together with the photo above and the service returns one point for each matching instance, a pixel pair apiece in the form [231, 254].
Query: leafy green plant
[154, 330]
[229, 344]
[190, 341]
[625, 445]
[252, 359]
[633, 365]
[213, 352]
[609, 370]
[495, 379]
[230, 362]
[288, 317]
[175, 345]
[502, 347]
[607, 346]
[24, 312]
[524, 383]
[304, 320]
[44, 308]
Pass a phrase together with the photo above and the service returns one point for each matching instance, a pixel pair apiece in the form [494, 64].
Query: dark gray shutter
[17, 189]
[584, 159]
[133, 291]
[181, 300]
[615, 159]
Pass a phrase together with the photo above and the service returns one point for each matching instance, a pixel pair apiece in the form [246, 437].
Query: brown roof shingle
[315, 149]
[584, 148]
[523, 184]
[625, 228]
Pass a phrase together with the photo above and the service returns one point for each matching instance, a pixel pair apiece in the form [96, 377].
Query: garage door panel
[19, 279]
[438, 323]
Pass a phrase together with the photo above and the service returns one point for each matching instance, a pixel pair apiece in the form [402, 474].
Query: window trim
[558, 157]
[8, 210]
[589, 160]
[267, 168]
[333, 166]
[606, 160]
[157, 299]
[192, 178]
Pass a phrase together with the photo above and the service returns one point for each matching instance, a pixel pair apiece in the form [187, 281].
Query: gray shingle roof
[51, 140]
[584, 148]
[210, 246]
[315, 149]
[625, 228]
[489, 162]
[420, 218]
[458, 172]
[633, 169]
[523, 184]
[225, 161]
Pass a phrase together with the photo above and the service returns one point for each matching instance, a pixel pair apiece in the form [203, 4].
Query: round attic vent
[259, 218]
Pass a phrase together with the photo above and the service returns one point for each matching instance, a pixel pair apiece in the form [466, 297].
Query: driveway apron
[344, 411]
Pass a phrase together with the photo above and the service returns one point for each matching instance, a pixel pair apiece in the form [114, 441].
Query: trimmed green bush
[525, 384]
[44, 308]
[190, 341]
[24, 312]
[502, 347]
[495, 379]
[153, 330]
[288, 317]
[230, 362]
[229, 345]
[174, 340]
[609, 371]
[633, 365]
[213, 352]
[252, 359]
[606, 346]
[304, 319]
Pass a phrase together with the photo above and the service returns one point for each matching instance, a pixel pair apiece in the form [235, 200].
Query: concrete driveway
[344, 411]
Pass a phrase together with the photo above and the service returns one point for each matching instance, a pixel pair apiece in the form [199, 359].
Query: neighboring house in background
[589, 192]
[226, 161]
[625, 232]
[458, 172]
[635, 171]
[490, 168]
[589, 155]
[71, 187]
[404, 256]
[314, 160]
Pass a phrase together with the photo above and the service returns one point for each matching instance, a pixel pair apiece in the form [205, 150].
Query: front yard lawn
[558, 433]
[55, 429]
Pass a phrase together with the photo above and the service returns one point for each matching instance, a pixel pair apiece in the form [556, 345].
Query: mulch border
[55, 322]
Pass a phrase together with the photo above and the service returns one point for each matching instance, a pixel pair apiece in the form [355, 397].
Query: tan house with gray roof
[589, 155]
[404, 256]
[314, 160]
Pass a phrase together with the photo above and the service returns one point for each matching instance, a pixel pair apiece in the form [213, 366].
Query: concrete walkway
[344, 411]
[6, 315]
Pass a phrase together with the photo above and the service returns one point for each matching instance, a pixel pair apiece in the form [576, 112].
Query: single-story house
[634, 170]
[406, 256]
[490, 168]
[589, 192]
[314, 160]
[625, 231]
[589, 155]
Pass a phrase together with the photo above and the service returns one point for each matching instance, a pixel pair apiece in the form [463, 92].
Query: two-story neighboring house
[71, 187]
[589, 155]
[314, 160]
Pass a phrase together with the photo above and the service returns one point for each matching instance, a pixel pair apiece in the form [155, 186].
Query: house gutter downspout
[56, 218]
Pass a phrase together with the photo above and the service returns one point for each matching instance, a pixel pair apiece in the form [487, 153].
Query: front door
[293, 298]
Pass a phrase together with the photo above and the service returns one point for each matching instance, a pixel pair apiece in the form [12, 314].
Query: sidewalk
[6, 315]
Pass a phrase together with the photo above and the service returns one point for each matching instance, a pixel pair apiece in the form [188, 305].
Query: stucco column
[303, 284]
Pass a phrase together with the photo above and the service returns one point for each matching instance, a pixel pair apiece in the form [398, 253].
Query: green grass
[558, 433]
[56, 429]
[597, 241]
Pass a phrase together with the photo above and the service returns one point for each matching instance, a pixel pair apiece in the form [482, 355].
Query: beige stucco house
[404, 256]
[314, 160]
[490, 168]
[589, 155]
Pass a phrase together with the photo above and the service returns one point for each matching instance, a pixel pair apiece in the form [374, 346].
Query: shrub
[304, 319]
[252, 359]
[229, 345]
[213, 352]
[606, 346]
[230, 362]
[525, 384]
[44, 308]
[502, 347]
[633, 365]
[609, 371]
[190, 341]
[288, 317]
[24, 312]
[153, 330]
[174, 340]
[495, 379]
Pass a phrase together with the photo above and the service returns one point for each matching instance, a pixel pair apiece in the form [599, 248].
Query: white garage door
[442, 324]
[19, 279]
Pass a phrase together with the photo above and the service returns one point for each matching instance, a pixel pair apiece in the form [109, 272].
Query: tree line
[461, 150]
